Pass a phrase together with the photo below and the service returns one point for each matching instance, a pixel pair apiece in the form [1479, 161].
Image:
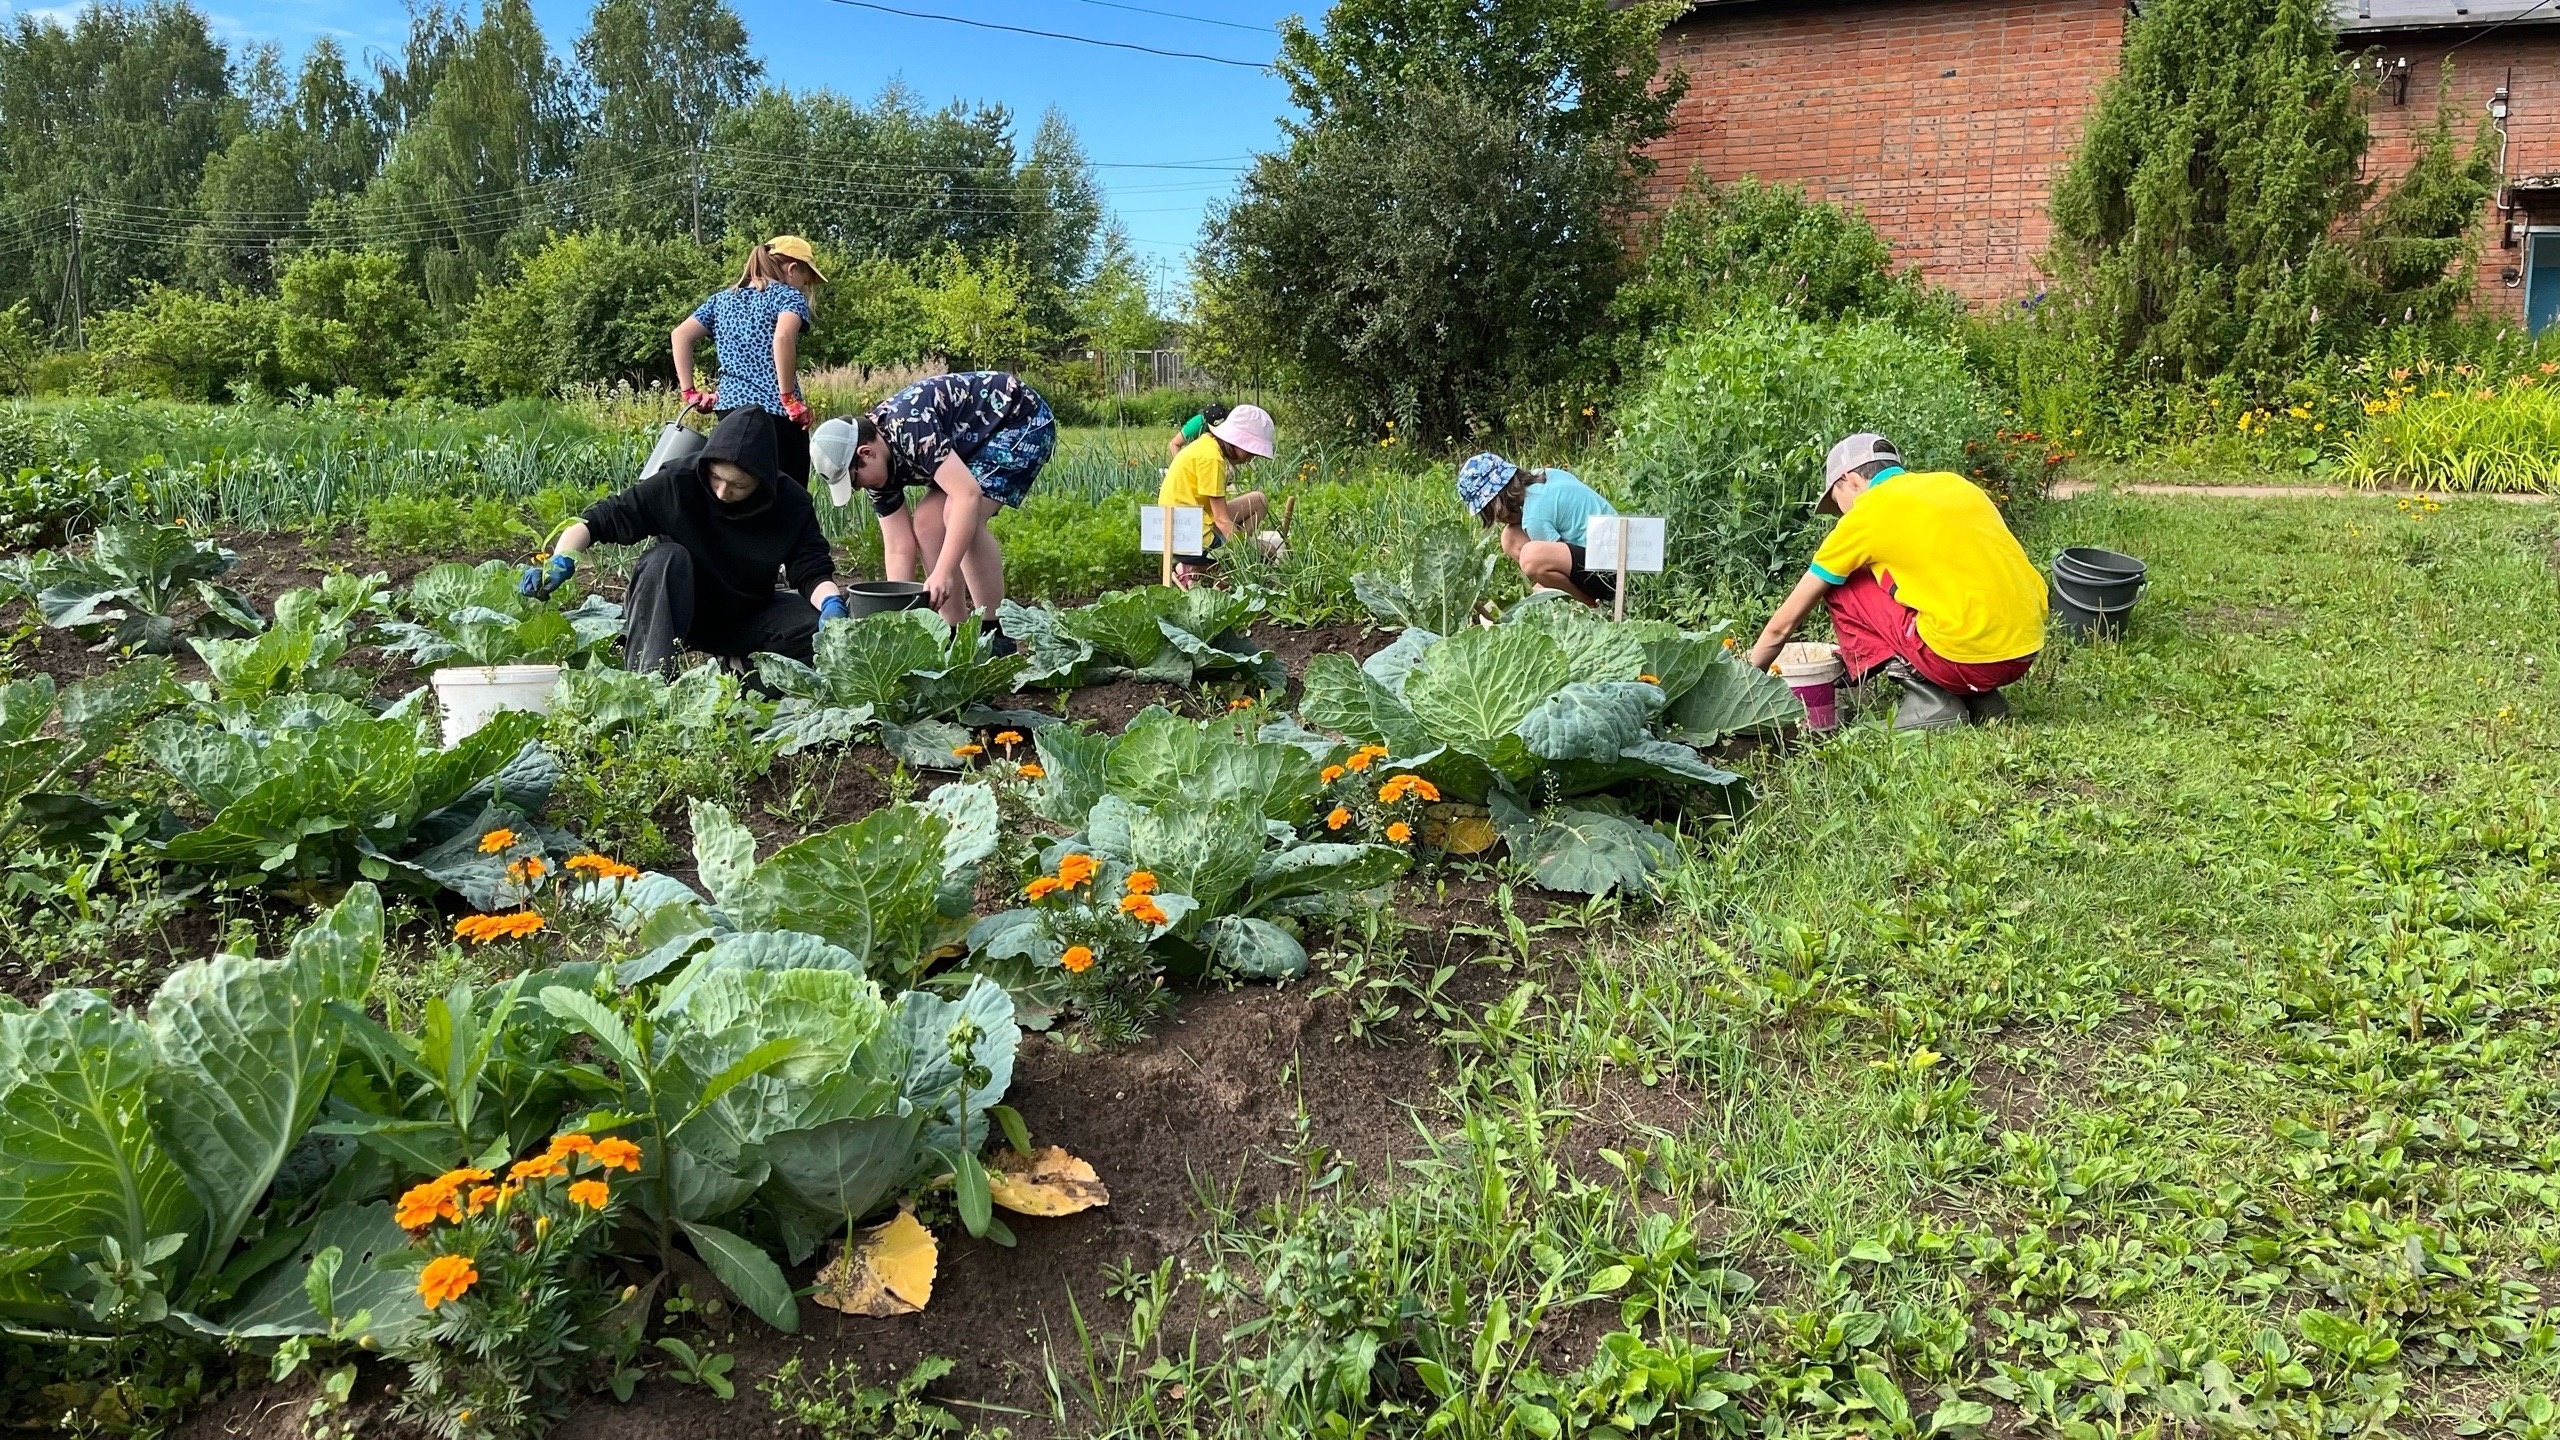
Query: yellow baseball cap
[797, 249]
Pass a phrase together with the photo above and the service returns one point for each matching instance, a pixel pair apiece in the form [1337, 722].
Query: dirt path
[2074, 489]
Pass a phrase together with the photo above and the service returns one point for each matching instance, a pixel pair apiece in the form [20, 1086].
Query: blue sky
[1129, 108]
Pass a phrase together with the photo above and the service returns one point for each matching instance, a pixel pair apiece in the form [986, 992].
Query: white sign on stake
[1639, 538]
[1190, 529]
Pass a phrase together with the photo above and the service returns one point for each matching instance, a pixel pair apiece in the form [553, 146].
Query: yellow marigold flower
[965, 751]
[537, 1167]
[1140, 882]
[1332, 773]
[1239, 703]
[1042, 888]
[1339, 818]
[590, 1193]
[445, 1278]
[497, 840]
[1008, 737]
[1076, 869]
[1360, 760]
[1729, 642]
[615, 1153]
[1029, 771]
[1078, 959]
[527, 870]
[1399, 832]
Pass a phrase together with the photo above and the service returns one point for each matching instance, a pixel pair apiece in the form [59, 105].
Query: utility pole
[72, 282]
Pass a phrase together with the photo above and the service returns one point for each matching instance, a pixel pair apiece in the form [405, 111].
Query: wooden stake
[1625, 534]
[1288, 512]
[1168, 545]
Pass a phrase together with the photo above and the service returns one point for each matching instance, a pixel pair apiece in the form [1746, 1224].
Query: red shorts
[1874, 627]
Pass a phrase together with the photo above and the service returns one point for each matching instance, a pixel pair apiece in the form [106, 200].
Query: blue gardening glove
[540, 580]
[833, 609]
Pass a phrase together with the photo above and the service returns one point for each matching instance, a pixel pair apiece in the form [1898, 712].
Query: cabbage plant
[310, 789]
[1155, 633]
[1541, 717]
[301, 650]
[149, 582]
[155, 1167]
[906, 674]
[472, 615]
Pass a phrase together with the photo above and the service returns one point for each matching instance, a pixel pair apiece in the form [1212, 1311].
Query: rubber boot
[1986, 707]
[1925, 705]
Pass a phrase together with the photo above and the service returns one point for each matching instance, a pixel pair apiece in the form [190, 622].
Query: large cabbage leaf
[1728, 699]
[1163, 757]
[846, 1061]
[1433, 580]
[868, 887]
[1472, 690]
[1592, 847]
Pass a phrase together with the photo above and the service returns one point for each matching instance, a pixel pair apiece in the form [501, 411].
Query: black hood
[744, 439]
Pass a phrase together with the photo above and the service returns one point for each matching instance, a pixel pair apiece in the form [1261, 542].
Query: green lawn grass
[2176, 1059]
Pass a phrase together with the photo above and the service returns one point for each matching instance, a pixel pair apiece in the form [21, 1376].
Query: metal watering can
[677, 443]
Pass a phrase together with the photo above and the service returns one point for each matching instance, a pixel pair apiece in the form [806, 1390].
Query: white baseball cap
[1249, 429]
[1859, 450]
[831, 455]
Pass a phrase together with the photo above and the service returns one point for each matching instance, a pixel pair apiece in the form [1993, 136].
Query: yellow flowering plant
[518, 1311]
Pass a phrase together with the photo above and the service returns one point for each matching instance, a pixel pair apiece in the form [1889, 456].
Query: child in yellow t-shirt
[1198, 478]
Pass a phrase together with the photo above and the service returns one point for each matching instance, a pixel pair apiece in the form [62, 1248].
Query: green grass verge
[2177, 1059]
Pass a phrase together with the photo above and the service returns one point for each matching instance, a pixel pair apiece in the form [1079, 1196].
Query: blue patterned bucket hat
[1481, 478]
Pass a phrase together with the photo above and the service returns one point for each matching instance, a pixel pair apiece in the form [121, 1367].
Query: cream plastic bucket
[467, 696]
[1813, 671]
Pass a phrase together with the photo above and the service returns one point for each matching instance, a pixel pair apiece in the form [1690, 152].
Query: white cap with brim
[831, 455]
[1858, 451]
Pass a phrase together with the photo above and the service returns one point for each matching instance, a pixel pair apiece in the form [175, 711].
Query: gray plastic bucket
[677, 442]
[879, 597]
[2094, 590]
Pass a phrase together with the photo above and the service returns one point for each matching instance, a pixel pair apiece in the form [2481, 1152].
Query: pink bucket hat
[1249, 429]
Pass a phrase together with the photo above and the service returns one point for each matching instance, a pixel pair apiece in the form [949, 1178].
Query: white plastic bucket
[467, 696]
[1808, 662]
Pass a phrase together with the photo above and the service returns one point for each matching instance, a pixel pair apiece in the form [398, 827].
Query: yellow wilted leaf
[1048, 1181]
[1458, 829]
[889, 1273]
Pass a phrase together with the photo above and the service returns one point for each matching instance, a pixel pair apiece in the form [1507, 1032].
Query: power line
[1178, 15]
[1054, 35]
[2494, 29]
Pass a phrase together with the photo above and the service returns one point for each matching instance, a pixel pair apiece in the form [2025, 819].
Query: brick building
[1947, 121]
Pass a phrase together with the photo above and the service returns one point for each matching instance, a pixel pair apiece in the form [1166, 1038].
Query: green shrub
[1728, 440]
[1066, 545]
[1720, 246]
[188, 346]
[585, 307]
[350, 320]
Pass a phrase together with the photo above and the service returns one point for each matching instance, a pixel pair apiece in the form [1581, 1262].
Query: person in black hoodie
[724, 521]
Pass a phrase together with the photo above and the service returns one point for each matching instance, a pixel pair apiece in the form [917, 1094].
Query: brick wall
[1945, 121]
[2533, 126]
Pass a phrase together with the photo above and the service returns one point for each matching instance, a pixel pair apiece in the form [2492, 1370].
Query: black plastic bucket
[2094, 590]
[879, 597]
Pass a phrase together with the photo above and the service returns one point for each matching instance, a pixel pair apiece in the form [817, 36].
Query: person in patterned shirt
[973, 443]
[755, 326]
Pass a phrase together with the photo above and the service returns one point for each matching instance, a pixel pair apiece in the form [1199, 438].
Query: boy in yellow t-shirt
[1198, 477]
[1924, 583]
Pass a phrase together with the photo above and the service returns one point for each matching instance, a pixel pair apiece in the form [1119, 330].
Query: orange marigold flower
[1008, 737]
[965, 751]
[601, 867]
[520, 924]
[1423, 788]
[590, 1193]
[1029, 771]
[572, 1143]
[1339, 818]
[421, 1205]
[1239, 703]
[1650, 679]
[1399, 833]
[1076, 870]
[615, 1153]
[445, 1278]
[1140, 882]
[1144, 910]
[497, 840]
[1042, 888]
[481, 1198]
[1078, 959]
[537, 1167]
[1359, 759]
[1332, 773]
[527, 870]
